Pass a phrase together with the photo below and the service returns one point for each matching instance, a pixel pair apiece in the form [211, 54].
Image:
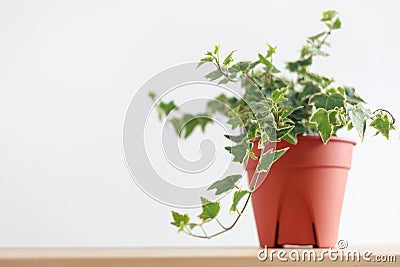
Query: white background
[68, 70]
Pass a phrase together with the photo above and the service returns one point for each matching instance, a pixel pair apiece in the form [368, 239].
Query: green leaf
[258, 81]
[254, 64]
[352, 97]
[223, 81]
[278, 95]
[203, 120]
[309, 90]
[329, 15]
[242, 66]
[271, 51]
[331, 20]
[187, 124]
[232, 70]
[252, 155]
[295, 66]
[341, 91]
[152, 95]
[216, 49]
[237, 196]
[235, 121]
[212, 76]
[281, 132]
[239, 152]
[322, 81]
[279, 153]
[337, 24]
[359, 121]
[252, 131]
[264, 138]
[205, 60]
[268, 158]
[334, 117]
[192, 225]
[327, 102]
[382, 124]
[265, 61]
[290, 138]
[228, 60]
[190, 125]
[350, 126]
[180, 220]
[178, 125]
[304, 63]
[274, 70]
[236, 138]
[166, 108]
[321, 118]
[216, 105]
[332, 90]
[317, 36]
[210, 210]
[266, 161]
[288, 110]
[226, 184]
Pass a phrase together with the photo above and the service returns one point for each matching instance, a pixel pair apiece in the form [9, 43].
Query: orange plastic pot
[300, 200]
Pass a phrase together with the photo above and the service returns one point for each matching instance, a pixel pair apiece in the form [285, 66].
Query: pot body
[300, 200]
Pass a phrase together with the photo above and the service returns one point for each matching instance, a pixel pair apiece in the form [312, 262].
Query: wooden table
[174, 257]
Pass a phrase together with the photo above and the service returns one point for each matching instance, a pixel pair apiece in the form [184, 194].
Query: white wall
[68, 70]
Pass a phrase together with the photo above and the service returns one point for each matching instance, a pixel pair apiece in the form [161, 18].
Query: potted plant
[289, 128]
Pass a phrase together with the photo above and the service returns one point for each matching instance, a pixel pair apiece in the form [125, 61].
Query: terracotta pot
[300, 201]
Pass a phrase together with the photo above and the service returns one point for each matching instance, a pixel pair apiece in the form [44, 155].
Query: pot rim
[318, 138]
[333, 138]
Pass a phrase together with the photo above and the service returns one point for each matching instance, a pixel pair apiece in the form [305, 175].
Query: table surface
[193, 257]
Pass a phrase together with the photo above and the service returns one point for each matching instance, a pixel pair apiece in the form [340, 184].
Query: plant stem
[251, 79]
[218, 66]
[204, 231]
[220, 224]
[324, 40]
[226, 229]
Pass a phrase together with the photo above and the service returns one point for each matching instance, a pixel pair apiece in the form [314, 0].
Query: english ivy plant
[273, 108]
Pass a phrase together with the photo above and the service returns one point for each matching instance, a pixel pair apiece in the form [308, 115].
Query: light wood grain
[174, 257]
